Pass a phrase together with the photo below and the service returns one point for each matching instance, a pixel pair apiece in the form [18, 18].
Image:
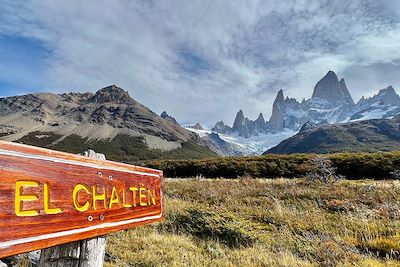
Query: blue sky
[199, 60]
[22, 64]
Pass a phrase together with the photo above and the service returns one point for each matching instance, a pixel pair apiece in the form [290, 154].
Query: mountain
[222, 147]
[360, 136]
[331, 103]
[217, 142]
[246, 127]
[221, 128]
[109, 121]
[242, 126]
[197, 126]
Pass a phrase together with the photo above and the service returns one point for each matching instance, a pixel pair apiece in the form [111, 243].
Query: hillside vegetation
[268, 222]
[350, 165]
[358, 136]
[123, 148]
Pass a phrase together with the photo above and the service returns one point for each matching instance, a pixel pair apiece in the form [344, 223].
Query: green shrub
[350, 165]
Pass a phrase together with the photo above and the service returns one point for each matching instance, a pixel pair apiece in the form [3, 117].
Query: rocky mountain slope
[109, 121]
[360, 136]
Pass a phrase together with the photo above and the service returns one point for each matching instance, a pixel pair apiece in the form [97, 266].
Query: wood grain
[61, 172]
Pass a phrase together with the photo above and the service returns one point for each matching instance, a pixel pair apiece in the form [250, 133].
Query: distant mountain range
[109, 121]
[113, 123]
[331, 103]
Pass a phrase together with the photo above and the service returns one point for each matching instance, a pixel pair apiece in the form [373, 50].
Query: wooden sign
[49, 197]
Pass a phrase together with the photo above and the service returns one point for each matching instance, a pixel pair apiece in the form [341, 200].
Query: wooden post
[84, 253]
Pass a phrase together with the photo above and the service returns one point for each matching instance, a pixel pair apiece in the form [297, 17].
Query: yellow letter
[151, 199]
[142, 196]
[99, 197]
[114, 198]
[134, 189]
[78, 188]
[125, 204]
[46, 195]
[19, 198]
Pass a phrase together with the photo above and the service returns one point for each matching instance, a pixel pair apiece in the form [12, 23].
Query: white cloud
[238, 53]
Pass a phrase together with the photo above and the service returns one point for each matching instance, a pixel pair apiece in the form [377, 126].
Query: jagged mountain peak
[389, 90]
[332, 90]
[260, 118]
[387, 95]
[197, 126]
[167, 117]
[239, 120]
[279, 97]
[113, 94]
[164, 115]
[324, 86]
[332, 74]
[220, 127]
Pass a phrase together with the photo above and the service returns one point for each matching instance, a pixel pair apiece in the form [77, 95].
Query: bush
[323, 170]
[350, 165]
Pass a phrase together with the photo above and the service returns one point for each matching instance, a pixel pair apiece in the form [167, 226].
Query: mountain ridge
[373, 135]
[92, 118]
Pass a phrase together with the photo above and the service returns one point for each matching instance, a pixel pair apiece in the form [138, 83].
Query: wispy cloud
[199, 60]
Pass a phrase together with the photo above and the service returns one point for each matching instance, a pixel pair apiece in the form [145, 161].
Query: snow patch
[255, 145]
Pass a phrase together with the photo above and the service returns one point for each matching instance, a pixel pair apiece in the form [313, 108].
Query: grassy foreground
[280, 222]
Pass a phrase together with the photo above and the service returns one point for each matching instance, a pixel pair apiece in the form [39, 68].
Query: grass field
[269, 222]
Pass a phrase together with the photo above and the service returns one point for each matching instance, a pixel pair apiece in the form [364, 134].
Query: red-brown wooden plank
[39, 223]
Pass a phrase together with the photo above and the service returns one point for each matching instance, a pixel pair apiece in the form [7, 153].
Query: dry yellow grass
[281, 222]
